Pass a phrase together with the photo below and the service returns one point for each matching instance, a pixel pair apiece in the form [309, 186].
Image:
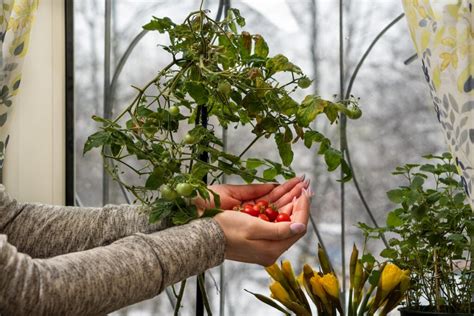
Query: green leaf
[311, 137]
[413, 196]
[102, 120]
[238, 18]
[155, 179]
[115, 149]
[270, 174]
[184, 215]
[459, 198]
[245, 45]
[433, 197]
[311, 107]
[333, 158]
[199, 170]
[160, 210]
[393, 220]
[159, 24]
[346, 171]
[419, 211]
[97, 139]
[253, 163]
[198, 92]
[396, 196]
[325, 145]
[284, 148]
[417, 182]
[211, 212]
[368, 258]
[269, 302]
[428, 168]
[261, 47]
[374, 277]
[447, 155]
[389, 253]
[281, 63]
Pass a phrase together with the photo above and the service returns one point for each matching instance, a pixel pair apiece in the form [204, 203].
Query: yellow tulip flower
[390, 278]
[330, 285]
[279, 293]
[317, 289]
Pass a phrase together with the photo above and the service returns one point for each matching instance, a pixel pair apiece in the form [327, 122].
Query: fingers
[288, 208]
[294, 192]
[251, 191]
[275, 231]
[301, 208]
[282, 189]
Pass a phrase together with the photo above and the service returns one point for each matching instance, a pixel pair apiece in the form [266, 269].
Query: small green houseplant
[431, 229]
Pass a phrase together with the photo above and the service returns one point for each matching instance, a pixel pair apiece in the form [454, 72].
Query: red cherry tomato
[262, 203]
[250, 211]
[248, 205]
[257, 208]
[271, 213]
[264, 217]
[283, 217]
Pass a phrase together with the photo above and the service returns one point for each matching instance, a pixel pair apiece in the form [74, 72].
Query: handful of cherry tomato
[263, 210]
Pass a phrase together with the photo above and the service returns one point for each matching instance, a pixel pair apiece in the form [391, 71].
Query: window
[398, 123]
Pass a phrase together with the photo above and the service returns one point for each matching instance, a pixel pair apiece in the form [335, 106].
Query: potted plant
[431, 231]
[221, 75]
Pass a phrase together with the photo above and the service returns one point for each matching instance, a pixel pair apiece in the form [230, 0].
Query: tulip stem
[363, 306]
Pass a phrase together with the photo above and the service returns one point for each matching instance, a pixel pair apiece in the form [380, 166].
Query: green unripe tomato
[189, 139]
[168, 193]
[184, 189]
[174, 110]
[304, 82]
[224, 88]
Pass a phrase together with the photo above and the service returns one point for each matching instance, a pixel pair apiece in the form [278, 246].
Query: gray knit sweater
[89, 261]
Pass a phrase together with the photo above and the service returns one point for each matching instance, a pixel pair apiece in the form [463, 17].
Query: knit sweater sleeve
[104, 279]
[43, 231]
[71, 261]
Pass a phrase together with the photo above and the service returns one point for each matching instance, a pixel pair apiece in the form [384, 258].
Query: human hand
[252, 240]
[277, 194]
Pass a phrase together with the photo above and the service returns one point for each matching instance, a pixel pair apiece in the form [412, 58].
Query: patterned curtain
[443, 32]
[16, 19]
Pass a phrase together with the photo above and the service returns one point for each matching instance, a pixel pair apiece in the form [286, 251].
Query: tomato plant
[217, 71]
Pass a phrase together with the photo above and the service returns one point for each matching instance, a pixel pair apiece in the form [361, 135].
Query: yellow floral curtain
[16, 19]
[442, 31]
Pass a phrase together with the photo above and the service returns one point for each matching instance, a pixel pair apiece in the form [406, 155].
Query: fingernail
[302, 177]
[310, 192]
[306, 183]
[297, 228]
[294, 199]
